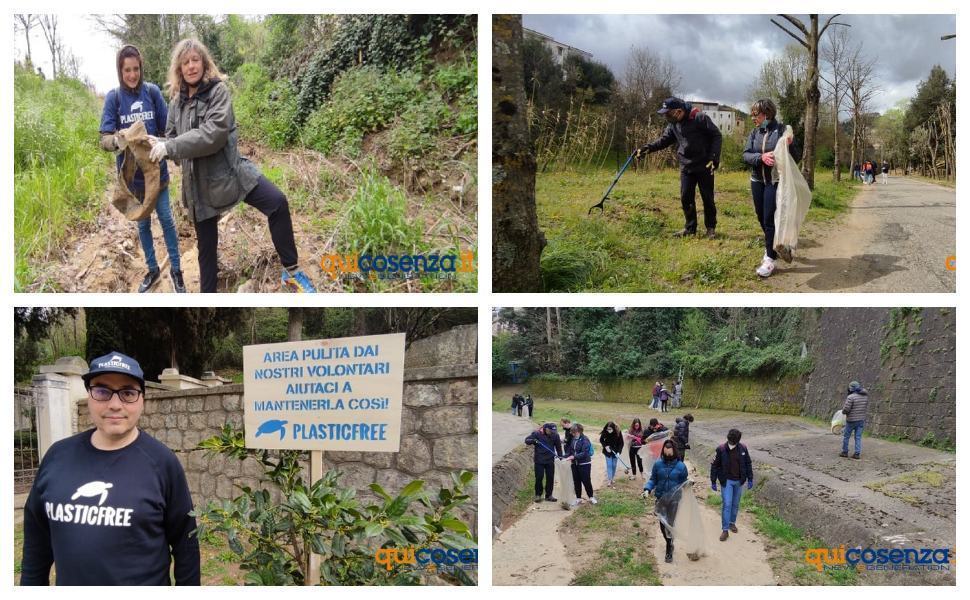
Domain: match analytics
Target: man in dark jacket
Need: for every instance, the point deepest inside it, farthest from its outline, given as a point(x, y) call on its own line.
point(732, 468)
point(682, 434)
point(855, 408)
point(699, 151)
point(547, 447)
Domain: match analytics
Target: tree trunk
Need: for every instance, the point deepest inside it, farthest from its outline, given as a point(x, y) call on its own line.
point(294, 325)
point(811, 108)
point(517, 241)
point(837, 168)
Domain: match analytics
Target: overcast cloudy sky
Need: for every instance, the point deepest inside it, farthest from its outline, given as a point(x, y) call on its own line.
point(719, 56)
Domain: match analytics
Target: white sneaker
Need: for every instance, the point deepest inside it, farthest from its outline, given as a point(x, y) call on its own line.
point(593, 500)
point(576, 502)
point(767, 267)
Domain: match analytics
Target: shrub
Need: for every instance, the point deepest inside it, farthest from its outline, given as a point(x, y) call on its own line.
point(416, 132)
point(364, 100)
point(273, 540)
point(265, 109)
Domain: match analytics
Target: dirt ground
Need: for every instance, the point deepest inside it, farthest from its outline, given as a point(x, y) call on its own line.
point(895, 238)
point(532, 550)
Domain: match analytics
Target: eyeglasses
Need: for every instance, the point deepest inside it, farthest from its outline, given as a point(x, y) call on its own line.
point(102, 393)
point(755, 114)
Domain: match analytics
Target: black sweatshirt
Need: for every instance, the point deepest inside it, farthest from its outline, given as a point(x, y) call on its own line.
point(109, 517)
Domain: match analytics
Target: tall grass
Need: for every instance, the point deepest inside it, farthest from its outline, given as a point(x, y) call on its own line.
point(59, 170)
point(378, 218)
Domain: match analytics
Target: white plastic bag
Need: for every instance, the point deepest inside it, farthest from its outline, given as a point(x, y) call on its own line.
point(679, 512)
point(792, 200)
point(838, 422)
point(564, 477)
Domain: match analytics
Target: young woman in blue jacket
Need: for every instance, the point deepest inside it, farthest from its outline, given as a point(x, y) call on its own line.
point(666, 475)
point(138, 100)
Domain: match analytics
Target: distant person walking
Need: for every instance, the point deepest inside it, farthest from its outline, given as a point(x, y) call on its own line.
point(547, 448)
point(678, 393)
point(885, 172)
point(529, 404)
point(731, 468)
point(664, 398)
point(857, 171)
point(612, 441)
point(855, 407)
point(636, 434)
point(655, 393)
point(580, 453)
point(666, 474)
point(682, 434)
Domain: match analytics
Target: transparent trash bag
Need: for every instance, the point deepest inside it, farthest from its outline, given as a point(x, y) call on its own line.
point(792, 200)
point(564, 479)
point(838, 422)
point(652, 447)
point(679, 511)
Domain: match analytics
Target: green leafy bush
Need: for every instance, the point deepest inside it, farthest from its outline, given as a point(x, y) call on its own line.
point(364, 100)
point(416, 132)
point(265, 109)
point(272, 541)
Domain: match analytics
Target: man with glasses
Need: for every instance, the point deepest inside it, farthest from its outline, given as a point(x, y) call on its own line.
point(110, 506)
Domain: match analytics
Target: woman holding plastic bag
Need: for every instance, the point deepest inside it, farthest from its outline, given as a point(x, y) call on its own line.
point(772, 175)
point(667, 475)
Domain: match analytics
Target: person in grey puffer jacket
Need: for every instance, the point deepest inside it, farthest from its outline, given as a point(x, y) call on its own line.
point(855, 408)
point(759, 152)
point(201, 137)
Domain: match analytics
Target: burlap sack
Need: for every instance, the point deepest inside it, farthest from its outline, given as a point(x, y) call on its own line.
point(134, 142)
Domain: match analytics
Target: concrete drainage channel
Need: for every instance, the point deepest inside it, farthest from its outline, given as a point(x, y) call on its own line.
point(797, 501)
point(508, 477)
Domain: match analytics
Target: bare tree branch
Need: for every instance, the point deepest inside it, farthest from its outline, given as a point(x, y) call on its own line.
point(798, 39)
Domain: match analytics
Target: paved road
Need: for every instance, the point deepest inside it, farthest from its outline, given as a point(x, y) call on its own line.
point(508, 432)
point(895, 238)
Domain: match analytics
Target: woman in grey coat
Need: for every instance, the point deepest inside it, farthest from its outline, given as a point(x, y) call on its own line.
point(201, 137)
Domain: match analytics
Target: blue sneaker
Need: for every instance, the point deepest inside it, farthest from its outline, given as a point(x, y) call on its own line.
point(298, 282)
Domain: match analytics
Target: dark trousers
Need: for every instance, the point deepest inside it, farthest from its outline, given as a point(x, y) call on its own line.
point(530, 410)
point(663, 406)
point(267, 199)
point(668, 535)
point(764, 207)
point(546, 472)
point(582, 478)
point(704, 181)
point(635, 459)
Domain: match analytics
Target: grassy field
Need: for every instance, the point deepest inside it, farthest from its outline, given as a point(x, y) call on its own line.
point(629, 247)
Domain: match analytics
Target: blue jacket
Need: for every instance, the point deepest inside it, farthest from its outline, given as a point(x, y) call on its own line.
point(665, 476)
point(122, 107)
point(720, 465)
point(580, 448)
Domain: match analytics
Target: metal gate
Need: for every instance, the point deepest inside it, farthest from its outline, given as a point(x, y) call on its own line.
point(26, 457)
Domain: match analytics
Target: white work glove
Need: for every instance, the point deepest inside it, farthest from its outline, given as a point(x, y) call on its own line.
point(645, 494)
point(158, 153)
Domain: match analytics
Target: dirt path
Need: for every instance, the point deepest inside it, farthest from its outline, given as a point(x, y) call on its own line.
point(740, 560)
point(531, 551)
point(895, 238)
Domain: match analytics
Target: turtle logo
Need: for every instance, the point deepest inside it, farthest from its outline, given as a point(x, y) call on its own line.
point(272, 426)
point(93, 489)
point(137, 106)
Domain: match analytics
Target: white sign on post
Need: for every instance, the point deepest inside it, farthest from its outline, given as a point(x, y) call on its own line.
point(337, 394)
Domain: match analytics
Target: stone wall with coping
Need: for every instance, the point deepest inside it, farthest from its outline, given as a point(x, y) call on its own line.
point(439, 433)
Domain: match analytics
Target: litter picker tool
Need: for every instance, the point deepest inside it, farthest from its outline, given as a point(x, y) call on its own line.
point(612, 185)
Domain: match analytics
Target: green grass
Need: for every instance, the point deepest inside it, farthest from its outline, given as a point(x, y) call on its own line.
point(629, 249)
point(60, 173)
point(620, 559)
